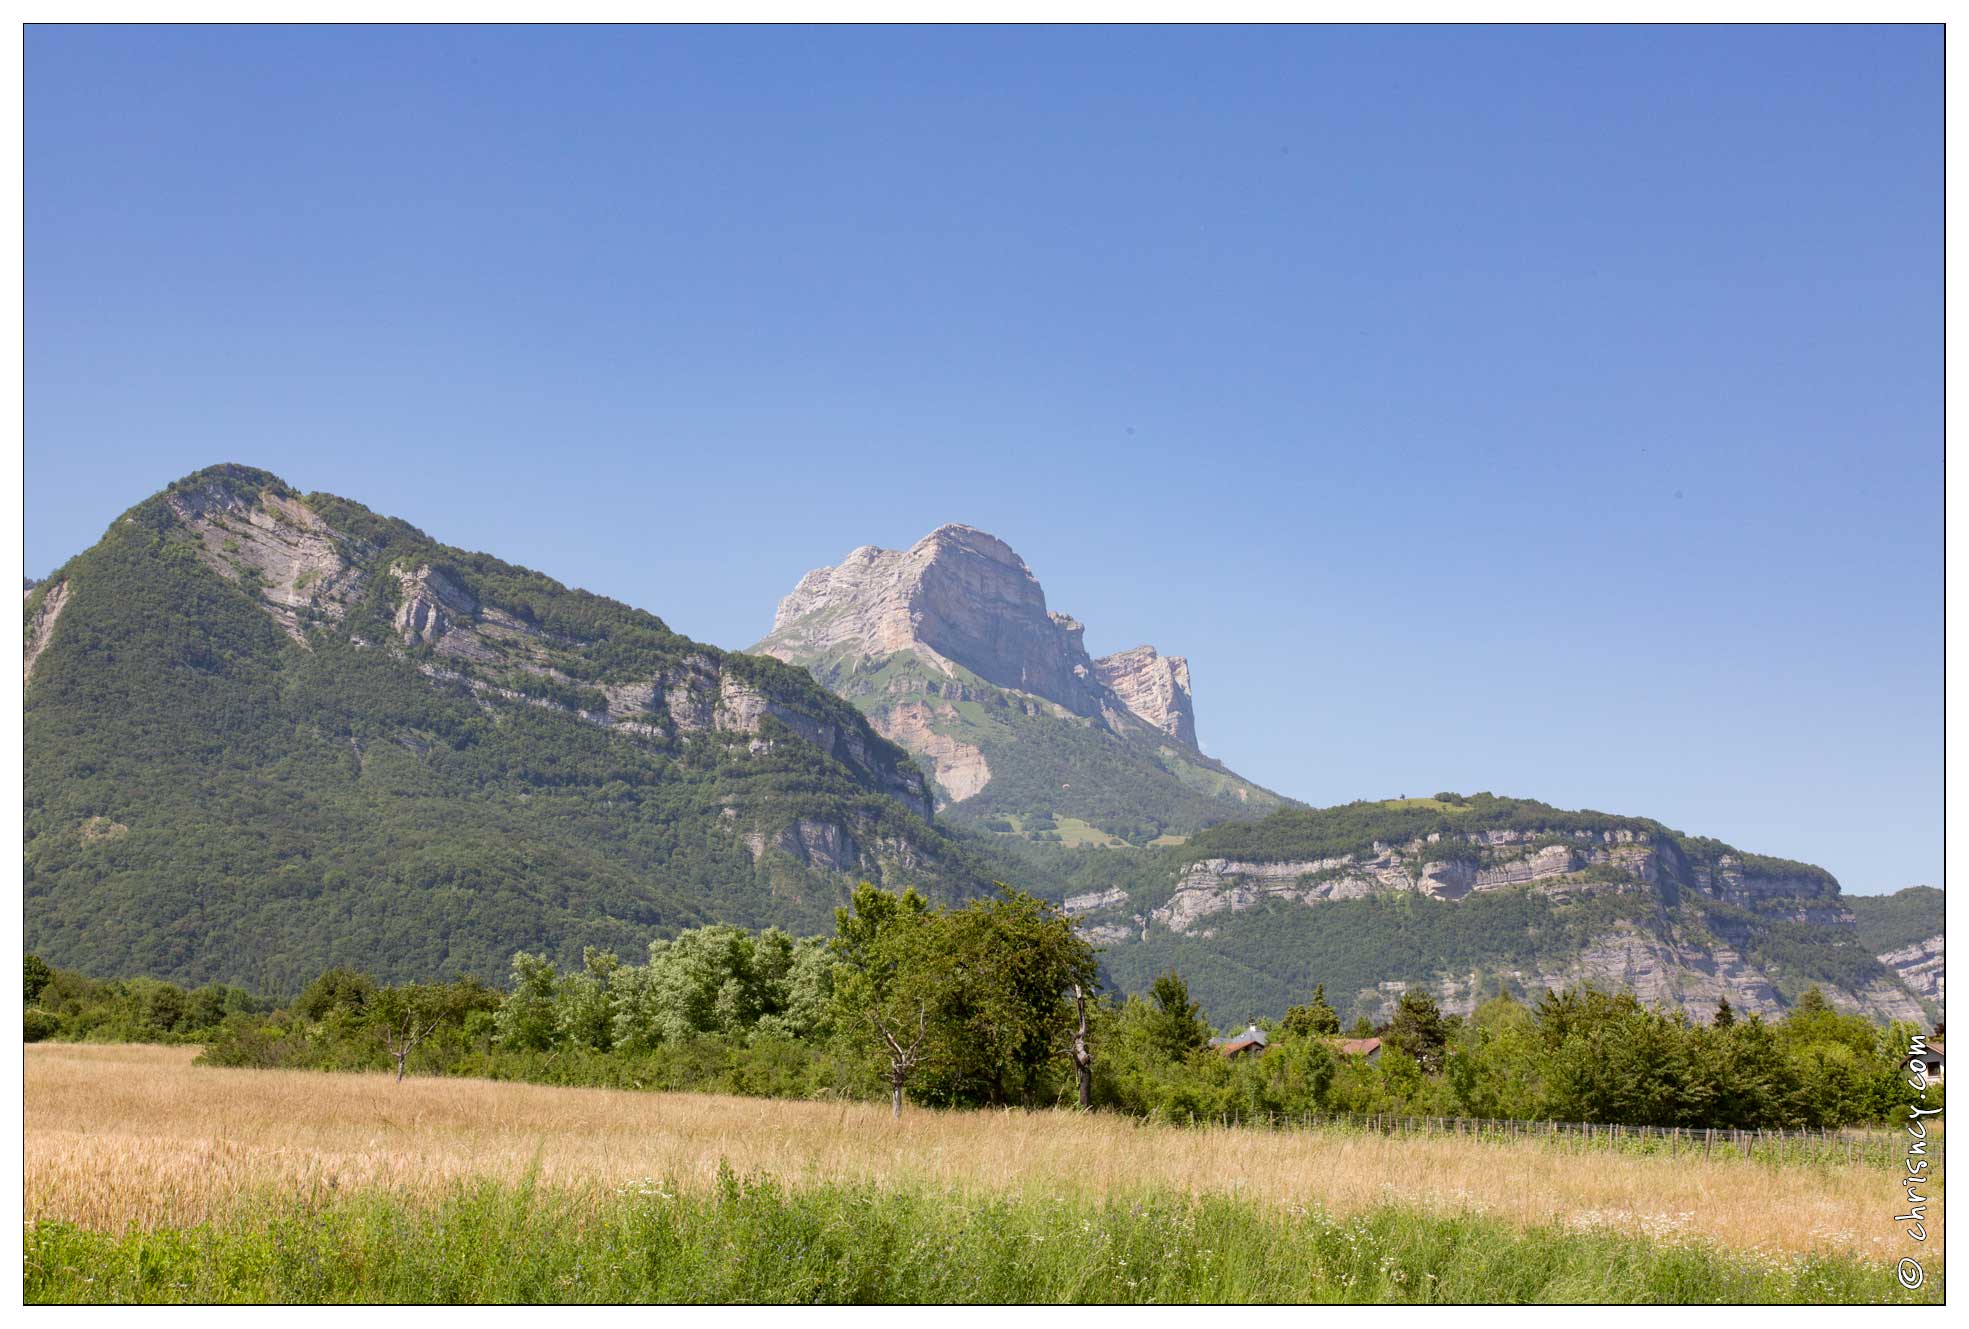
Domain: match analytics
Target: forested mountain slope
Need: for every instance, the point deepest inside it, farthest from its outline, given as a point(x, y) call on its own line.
point(1467, 895)
point(1905, 931)
point(267, 732)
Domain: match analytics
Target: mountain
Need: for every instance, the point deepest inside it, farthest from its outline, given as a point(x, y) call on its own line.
point(1467, 895)
point(1904, 931)
point(950, 650)
point(267, 732)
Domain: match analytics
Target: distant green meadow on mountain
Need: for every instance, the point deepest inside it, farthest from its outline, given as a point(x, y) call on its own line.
point(270, 732)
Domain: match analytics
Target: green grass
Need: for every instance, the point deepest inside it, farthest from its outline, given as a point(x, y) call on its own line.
point(1074, 831)
point(1432, 804)
point(756, 1241)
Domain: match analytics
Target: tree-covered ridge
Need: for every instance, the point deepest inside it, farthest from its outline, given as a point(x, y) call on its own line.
point(1460, 821)
point(1890, 922)
point(1466, 895)
point(209, 799)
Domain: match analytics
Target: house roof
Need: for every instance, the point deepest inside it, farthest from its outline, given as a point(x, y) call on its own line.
point(1358, 1047)
point(1254, 1037)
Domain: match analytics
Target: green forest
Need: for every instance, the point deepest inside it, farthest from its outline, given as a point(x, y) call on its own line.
point(996, 1002)
point(209, 801)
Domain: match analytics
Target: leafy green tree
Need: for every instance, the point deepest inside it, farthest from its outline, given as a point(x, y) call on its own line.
point(1725, 1016)
point(1007, 967)
point(1417, 1030)
point(38, 977)
point(886, 985)
point(1176, 1026)
point(336, 989)
point(1315, 1019)
point(528, 1019)
point(582, 1002)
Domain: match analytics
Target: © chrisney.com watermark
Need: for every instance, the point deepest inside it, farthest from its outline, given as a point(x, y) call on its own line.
point(1909, 1271)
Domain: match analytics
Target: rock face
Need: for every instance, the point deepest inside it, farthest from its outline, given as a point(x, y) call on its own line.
point(960, 767)
point(1919, 966)
point(294, 562)
point(958, 596)
point(1630, 861)
point(41, 627)
point(1632, 907)
point(307, 575)
point(1156, 688)
point(912, 636)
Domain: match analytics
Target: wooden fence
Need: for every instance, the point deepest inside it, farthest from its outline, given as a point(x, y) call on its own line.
point(1880, 1145)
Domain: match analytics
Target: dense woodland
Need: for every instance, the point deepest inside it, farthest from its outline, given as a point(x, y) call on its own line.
point(208, 801)
point(1354, 828)
point(976, 1005)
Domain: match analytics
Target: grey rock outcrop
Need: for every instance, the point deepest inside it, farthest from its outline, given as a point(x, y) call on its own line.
point(1919, 966)
point(41, 628)
point(960, 597)
point(1155, 688)
point(432, 604)
point(279, 546)
point(306, 574)
point(1687, 959)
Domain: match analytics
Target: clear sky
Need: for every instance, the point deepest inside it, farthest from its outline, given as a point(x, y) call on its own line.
point(1553, 412)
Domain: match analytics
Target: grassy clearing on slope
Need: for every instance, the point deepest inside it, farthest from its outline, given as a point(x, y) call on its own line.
point(121, 1137)
point(756, 1240)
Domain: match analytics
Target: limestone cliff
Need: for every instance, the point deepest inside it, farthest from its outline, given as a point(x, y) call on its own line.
point(1561, 899)
point(957, 596)
point(1155, 688)
point(310, 562)
point(1919, 966)
point(950, 649)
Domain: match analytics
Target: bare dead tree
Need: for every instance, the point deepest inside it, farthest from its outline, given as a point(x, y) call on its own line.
point(1083, 1058)
point(902, 1060)
point(402, 1045)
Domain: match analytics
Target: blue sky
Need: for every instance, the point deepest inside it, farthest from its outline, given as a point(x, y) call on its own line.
point(1550, 411)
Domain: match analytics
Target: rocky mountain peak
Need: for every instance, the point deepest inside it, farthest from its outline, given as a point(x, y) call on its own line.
point(961, 597)
point(1154, 687)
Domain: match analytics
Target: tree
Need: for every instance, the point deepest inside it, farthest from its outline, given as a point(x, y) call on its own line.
point(1725, 1016)
point(1315, 1019)
point(1082, 1056)
point(582, 1009)
point(404, 1031)
point(884, 984)
point(1176, 1026)
point(1004, 968)
point(38, 977)
point(1417, 1029)
point(528, 1019)
point(902, 1059)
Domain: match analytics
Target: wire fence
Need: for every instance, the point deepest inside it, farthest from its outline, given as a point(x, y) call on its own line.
point(1795, 1144)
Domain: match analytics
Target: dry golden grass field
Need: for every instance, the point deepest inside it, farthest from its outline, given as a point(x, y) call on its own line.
point(120, 1136)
